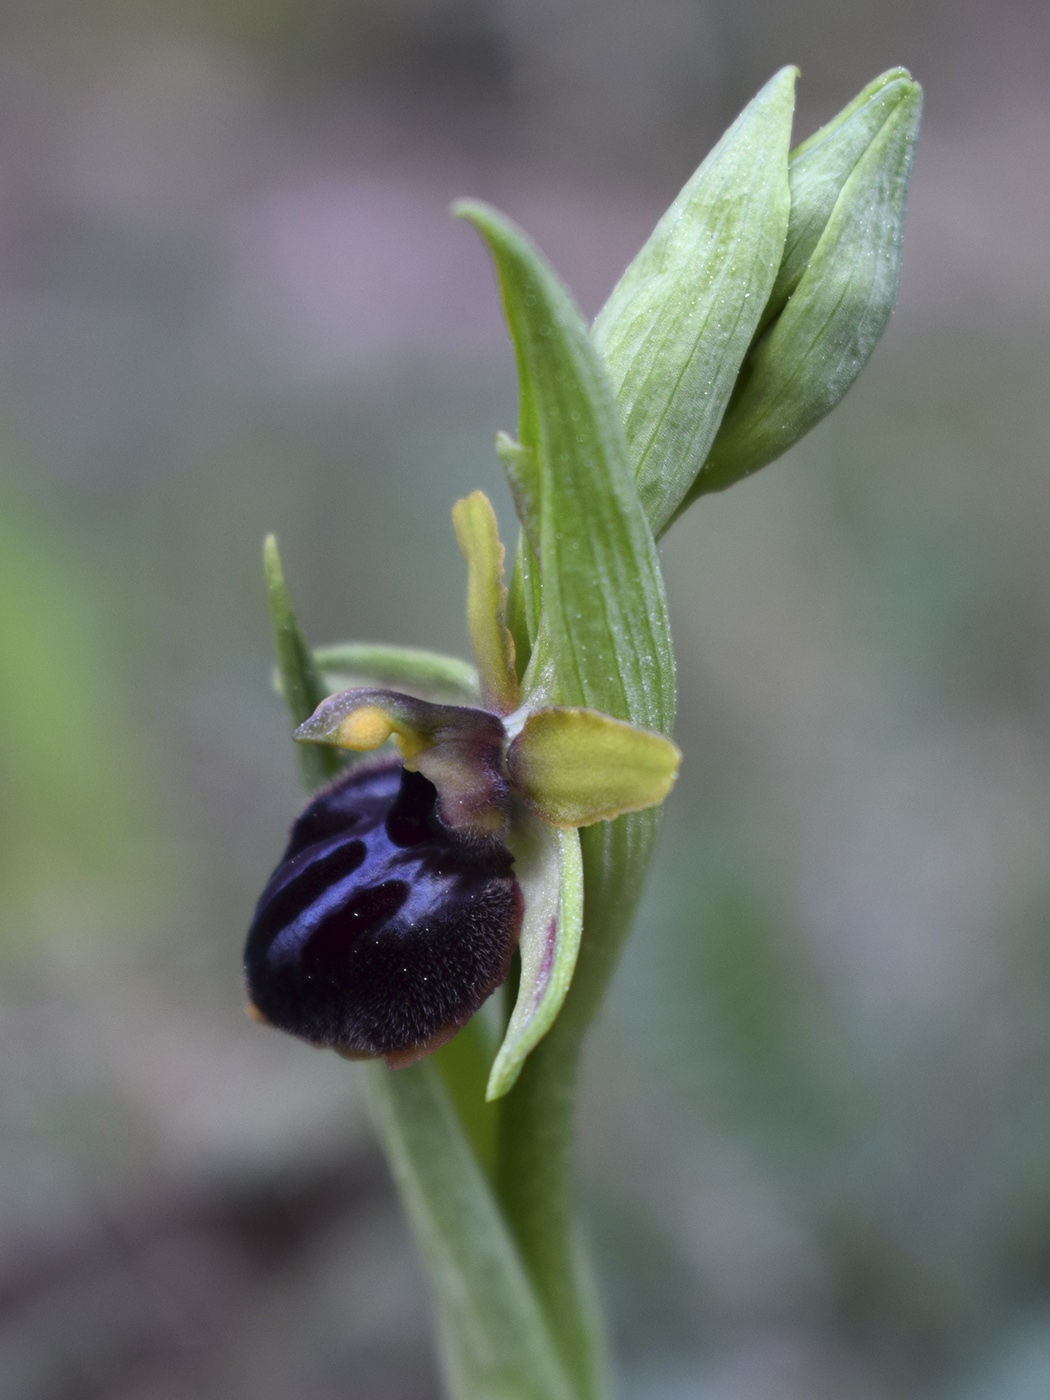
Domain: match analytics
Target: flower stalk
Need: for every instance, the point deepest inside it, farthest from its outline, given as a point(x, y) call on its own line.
point(744, 319)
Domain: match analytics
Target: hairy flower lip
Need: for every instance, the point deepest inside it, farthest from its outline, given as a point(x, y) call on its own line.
point(381, 931)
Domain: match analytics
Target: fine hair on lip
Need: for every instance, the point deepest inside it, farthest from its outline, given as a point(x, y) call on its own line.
point(381, 932)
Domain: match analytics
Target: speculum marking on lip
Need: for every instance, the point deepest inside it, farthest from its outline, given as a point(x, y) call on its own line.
point(380, 932)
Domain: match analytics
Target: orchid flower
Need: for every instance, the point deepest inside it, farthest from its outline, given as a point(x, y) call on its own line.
point(409, 881)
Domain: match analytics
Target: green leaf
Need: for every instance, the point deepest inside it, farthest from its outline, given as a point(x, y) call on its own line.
point(494, 1340)
point(464, 1063)
point(603, 642)
point(549, 869)
point(812, 352)
point(301, 683)
point(604, 609)
point(677, 326)
point(426, 674)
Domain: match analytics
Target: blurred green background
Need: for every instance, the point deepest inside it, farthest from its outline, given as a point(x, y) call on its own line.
point(817, 1112)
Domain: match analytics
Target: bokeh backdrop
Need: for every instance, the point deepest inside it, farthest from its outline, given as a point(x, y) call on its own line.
point(816, 1146)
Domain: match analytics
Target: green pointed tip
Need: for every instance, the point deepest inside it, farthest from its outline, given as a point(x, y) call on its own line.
point(301, 684)
point(474, 211)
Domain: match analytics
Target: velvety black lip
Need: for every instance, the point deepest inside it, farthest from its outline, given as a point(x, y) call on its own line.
point(380, 929)
point(303, 879)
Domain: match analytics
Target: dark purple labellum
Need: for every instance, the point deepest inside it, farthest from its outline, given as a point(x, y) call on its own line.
point(380, 932)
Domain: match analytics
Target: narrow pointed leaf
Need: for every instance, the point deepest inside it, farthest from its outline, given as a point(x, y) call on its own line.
point(604, 609)
point(677, 326)
point(575, 767)
point(549, 868)
point(427, 674)
point(810, 355)
point(494, 1340)
point(301, 683)
point(478, 536)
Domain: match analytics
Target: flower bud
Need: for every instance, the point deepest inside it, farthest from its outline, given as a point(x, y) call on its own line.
point(679, 322)
point(837, 282)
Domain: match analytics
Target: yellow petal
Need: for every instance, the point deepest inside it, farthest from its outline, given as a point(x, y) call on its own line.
point(478, 536)
point(575, 767)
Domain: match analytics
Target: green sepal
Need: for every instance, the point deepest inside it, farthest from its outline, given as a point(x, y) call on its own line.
point(604, 623)
point(428, 674)
point(812, 352)
point(678, 325)
point(575, 766)
point(549, 868)
point(493, 1336)
point(301, 683)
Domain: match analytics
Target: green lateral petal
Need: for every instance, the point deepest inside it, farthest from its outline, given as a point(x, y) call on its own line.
point(478, 536)
point(604, 610)
point(811, 354)
point(301, 683)
point(427, 674)
point(575, 767)
point(494, 1339)
point(678, 325)
point(549, 868)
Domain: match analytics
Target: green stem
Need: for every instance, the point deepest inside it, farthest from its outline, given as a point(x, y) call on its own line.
point(536, 1167)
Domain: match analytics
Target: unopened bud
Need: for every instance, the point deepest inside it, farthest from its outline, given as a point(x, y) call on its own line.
point(837, 282)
